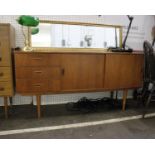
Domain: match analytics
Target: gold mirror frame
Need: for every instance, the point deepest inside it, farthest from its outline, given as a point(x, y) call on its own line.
point(75, 23)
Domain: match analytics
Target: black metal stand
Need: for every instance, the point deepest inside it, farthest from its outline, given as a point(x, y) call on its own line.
point(123, 49)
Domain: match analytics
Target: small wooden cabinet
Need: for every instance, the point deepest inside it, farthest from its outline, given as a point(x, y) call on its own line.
point(7, 43)
point(40, 73)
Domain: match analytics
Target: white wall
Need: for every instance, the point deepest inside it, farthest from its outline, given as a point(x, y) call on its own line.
point(141, 27)
point(141, 30)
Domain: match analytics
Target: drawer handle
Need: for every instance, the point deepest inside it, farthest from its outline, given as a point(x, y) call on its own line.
point(1, 74)
point(1, 89)
point(37, 85)
point(36, 58)
point(38, 72)
point(0, 59)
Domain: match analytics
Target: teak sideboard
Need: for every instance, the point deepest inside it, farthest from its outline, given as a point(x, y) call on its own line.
point(7, 44)
point(39, 73)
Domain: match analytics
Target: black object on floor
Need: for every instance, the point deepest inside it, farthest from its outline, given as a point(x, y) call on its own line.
point(86, 105)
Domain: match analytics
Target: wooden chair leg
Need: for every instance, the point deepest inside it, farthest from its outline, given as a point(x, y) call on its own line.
point(6, 107)
point(125, 93)
point(38, 99)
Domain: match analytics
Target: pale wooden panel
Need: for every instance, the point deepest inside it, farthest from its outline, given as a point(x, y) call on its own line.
point(6, 88)
point(5, 74)
point(5, 53)
point(6, 81)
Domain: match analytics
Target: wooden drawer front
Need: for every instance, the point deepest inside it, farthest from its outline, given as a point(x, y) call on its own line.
point(5, 59)
point(4, 31)
point(31, 72)
point(30, 59)
point(38, 72)
point(5, 74)
point(37, 86)
point(31, 85)
point(6, 89)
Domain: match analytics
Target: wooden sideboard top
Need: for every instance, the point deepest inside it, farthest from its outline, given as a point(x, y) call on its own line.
point(78, 50)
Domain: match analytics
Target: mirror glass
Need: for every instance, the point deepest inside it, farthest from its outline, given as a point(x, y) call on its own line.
point(76, 36)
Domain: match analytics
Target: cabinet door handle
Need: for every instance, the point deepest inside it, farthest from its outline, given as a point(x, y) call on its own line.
point(1, 89)
point(1, 74)
point(62, 71)
point(38, 72)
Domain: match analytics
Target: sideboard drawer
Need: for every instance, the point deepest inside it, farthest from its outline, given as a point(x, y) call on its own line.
point(6, 88)
point(38, 86)
point(4, 31)
point(31, 59)
point(5, 73)
point(38, 72)
point(31, 85)
point(31, 72)
point(5, 58)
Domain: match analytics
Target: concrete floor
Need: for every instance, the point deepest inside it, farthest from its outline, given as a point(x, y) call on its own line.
point(134, 129)
point(21, 117)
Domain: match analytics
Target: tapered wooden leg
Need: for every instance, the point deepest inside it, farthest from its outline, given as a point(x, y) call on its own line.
point(11, 102)
point(116, 98)
point(6, 107)
point(32, 101)
point(38, 98)
point(125, 93)
point(112, 95)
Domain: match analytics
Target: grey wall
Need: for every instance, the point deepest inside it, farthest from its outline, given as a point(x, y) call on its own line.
point(141, 30)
